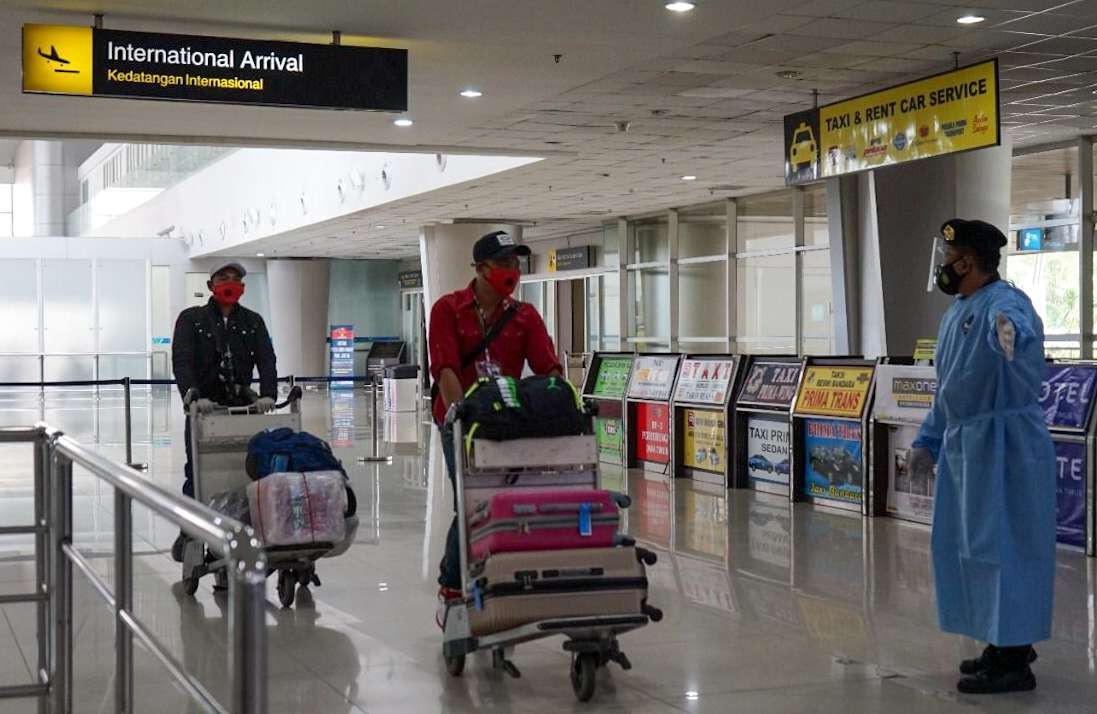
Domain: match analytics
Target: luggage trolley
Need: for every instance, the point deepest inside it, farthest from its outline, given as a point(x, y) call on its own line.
point(219, 445)
point(560, 462)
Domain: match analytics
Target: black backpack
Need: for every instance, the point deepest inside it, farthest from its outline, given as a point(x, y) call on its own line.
point(503, 408)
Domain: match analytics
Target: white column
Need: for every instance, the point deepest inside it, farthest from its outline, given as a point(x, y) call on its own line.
point(446, 254)
point(299, 315)
point(48, 187)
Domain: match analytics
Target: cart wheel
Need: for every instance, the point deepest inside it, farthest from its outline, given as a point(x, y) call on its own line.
point(287, 587)
point(190, 585)
point(455, 665)
point(583, 668)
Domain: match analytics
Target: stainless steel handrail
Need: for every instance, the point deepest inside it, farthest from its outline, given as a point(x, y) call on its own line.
point(56, 556)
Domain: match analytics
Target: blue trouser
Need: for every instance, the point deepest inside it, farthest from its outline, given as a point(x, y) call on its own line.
point(450, 568)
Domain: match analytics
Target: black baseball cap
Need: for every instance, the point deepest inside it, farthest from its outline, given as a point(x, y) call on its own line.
point(499, 244)
point(980, 236)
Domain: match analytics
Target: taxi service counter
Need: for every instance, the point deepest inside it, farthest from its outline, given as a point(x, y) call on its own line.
point(830, 431)
point(702, 419)
point(1067, 401)
point(763, 432)
point(647, 411)
point(606, 383)
point(904, 397)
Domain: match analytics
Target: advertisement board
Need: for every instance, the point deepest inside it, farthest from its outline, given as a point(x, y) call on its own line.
point(609, 433)
point(904, 393)
point(834, 391)
point(704, 381)
point(652, 378)
point(768, 442)
point(1067, 395)
point(1070, 493)
point(342, 355)
point(612, 378)
point(910, 491)
point(833, 460)
point(100, 62)
point(652, 429)
point(770, 384)
point(942, 114)
point(704, 440)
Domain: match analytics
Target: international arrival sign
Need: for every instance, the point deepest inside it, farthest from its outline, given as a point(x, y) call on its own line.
point(834, 391)
point(60, 59)
point(943, 114)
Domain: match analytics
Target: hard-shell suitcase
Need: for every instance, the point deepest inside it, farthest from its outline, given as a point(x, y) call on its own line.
point(545, 520)
point(513, 589)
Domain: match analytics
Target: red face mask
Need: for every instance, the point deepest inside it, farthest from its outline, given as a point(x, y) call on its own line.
point(228, 293)
point(504, 280)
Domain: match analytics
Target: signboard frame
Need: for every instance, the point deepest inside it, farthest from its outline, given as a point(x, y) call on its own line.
point(632, 423)
point(799, 460)
point(743, 407)
point(679, 410)
point(609, 407)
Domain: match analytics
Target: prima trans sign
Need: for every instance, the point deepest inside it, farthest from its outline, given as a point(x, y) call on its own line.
point(144, 65)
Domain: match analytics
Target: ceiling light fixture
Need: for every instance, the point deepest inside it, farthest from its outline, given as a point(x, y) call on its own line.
point(680, 6)
point(471, 93)
point(970, 19)
point(379, 227)
point(259, 255)
point(403, 122)
point(689, 177)
point(790, 74)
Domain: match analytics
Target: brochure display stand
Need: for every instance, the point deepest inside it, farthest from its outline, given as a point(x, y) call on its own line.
point(904, 396)
point(702, 419)
point(830, 429)
point(647, 411)
point(606, 383)
point(1067, 401)
point(763, 431)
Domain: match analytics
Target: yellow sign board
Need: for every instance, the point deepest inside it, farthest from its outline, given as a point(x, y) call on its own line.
point(925, 350)
point(943, 114)
point(704, 445)
point(834, 391)
point(57, 59)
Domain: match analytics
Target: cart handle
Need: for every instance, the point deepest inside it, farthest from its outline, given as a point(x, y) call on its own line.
point(294, 396)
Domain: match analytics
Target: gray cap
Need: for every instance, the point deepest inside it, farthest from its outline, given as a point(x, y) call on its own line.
point(234, 265)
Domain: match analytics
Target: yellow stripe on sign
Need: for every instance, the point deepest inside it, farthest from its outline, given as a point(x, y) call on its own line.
point(57, 59)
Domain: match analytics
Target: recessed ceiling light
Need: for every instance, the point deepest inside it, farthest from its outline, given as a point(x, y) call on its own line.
point(403, 121)
point(693, 696)
point(790, 74)
point(689, 177)
point(680, 6)
point(471, 93)
point(258, 255)
point(970, 19)
point(379, 227)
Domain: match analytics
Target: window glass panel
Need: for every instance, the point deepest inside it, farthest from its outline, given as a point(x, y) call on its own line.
point(816, 231)
point(702, 230)
point(649, 300)
point(593, 286)
point(702, 300)
point(765, 222)
point(611, 311)
point(611, 245)
point(765, 305)
point(702, 348)
point(19, 296)
point(817, 316)
point(67, 297)
point(123, 303)
point(650, 241)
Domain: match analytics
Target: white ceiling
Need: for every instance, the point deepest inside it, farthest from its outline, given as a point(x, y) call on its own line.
point(700, 92)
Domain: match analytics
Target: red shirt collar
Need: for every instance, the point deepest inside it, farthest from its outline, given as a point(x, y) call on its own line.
point(466, 298)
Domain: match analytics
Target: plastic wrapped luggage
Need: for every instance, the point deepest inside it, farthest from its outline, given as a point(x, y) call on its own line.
point(513, 589)
point(233, 504)
point(545, 520)
point(299, 509)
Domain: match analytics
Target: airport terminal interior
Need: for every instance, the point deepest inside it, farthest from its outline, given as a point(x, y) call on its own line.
point(728, 215)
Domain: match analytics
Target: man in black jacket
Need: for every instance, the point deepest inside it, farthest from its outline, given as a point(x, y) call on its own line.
point(215, 350)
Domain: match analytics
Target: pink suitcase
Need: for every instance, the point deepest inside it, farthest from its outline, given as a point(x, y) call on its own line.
point(546, 520)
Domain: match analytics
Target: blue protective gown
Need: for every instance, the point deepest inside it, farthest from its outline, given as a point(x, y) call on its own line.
point(994, 510)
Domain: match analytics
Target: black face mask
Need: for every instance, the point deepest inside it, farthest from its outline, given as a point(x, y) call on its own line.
point(947, 279)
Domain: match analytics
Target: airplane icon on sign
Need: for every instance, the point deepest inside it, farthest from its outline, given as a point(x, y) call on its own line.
point(53, 56)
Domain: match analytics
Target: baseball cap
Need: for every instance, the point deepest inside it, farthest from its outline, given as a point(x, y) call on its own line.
point(499, 244)
point(222, 266)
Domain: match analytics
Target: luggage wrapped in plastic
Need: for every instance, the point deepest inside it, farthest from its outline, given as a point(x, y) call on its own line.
point(299, 509)
point(233, 504)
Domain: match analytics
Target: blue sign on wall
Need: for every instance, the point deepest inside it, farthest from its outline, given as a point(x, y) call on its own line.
point(1070, 493)
point(1067, 395)
point(342, 355)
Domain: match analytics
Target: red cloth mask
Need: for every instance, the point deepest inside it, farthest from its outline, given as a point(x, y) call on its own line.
point(504, 280)
point(228, 293)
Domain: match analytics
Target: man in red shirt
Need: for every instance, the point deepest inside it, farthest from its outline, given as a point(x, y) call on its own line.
point(459, 324)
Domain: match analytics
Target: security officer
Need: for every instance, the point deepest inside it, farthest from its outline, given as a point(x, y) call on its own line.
point(994, 512)
point(215, 350)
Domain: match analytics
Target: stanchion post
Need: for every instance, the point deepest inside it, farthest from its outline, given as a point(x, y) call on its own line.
point(129, 421)
point(42, 561)
point(61, 592)
point(123, 600)
point(375, 416)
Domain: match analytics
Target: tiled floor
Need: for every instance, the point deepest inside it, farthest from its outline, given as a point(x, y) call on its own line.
point(768, 608)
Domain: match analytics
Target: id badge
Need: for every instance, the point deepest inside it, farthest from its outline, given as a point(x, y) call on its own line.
point(487, 368)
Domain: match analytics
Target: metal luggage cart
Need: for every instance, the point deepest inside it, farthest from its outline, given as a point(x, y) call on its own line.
point(560, 462)
point(219, 445)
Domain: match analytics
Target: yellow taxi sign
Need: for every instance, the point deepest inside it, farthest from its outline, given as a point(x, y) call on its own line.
point(57, 59)
point(839, 391)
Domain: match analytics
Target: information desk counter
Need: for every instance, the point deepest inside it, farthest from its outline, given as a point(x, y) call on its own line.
point(702, 418)
point(829, 432)
point(763, 430)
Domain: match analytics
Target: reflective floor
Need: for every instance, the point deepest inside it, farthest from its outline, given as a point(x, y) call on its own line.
point(768, 608)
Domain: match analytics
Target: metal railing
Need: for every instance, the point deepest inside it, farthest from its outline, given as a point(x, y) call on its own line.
point(56, 557)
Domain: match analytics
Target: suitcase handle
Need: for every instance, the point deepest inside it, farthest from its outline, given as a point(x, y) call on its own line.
point(526, 509)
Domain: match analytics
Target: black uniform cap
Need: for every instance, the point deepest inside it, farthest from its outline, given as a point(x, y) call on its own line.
point(979, 236)
point(499, 244)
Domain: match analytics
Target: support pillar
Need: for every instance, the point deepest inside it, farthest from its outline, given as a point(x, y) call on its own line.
point(446, 253)
point(299, 315)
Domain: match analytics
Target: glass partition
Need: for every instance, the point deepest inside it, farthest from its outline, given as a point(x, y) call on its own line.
point(67, 307)
point(19, 296)
point(122, 289)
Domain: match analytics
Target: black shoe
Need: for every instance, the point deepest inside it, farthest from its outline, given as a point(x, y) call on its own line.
point(974, 666)
point(995, 680)
point(179, 547)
